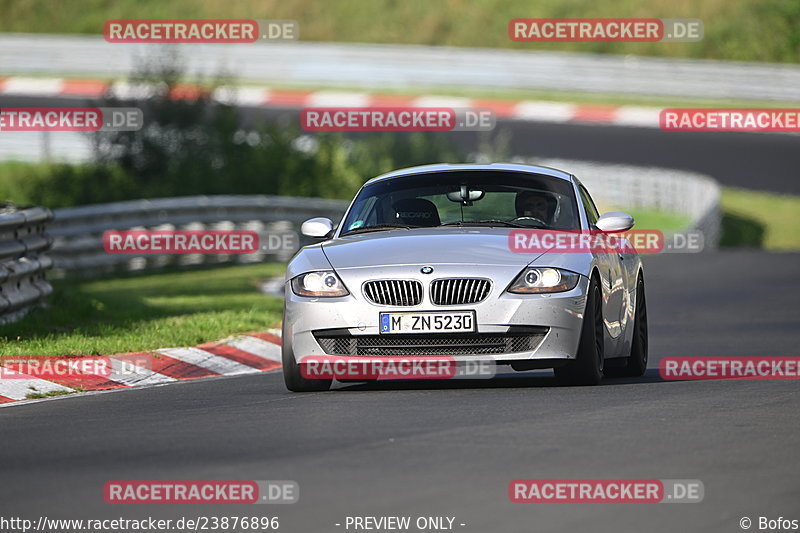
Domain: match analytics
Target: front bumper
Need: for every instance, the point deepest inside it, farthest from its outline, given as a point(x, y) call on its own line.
point(310, 322)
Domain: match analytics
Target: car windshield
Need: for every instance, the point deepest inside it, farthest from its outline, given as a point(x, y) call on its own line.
point(464, 198)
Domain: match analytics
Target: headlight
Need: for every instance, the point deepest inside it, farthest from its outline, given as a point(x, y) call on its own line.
point(539, 280)
point(324, 283)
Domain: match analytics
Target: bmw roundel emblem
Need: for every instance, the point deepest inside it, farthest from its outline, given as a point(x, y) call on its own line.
point(426, 269)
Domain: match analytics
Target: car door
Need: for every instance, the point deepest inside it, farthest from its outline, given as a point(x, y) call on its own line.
point(612, 278)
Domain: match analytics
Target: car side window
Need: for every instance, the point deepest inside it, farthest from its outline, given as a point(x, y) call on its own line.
point(588, 205)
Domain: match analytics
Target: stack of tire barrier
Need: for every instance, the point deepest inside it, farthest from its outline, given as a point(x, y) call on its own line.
point(23, 243)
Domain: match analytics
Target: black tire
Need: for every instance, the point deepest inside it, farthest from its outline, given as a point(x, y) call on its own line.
point(637, 361)
point(292, 377)
point(587, 368)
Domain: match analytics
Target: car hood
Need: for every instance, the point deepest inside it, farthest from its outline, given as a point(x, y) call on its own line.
point(477, 246)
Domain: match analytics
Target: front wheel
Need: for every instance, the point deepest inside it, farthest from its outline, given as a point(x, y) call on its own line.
point(587, 368)
point(637, 361)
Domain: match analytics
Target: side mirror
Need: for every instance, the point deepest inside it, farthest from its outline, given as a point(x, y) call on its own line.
point(614, 222)
point(316, 227)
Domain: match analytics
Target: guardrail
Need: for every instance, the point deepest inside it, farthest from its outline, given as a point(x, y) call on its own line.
point(78, 231)
point(691, 194)
point(23, 241)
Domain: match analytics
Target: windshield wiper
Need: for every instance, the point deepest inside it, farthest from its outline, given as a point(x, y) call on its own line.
point(378, 227)
point(489, 223)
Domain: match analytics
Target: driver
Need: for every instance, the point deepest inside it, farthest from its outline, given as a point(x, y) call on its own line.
point(535, 204)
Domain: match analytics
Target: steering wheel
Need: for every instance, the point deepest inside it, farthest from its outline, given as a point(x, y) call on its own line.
point(530, 220)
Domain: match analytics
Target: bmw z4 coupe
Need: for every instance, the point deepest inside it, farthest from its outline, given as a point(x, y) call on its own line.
point(424, 263)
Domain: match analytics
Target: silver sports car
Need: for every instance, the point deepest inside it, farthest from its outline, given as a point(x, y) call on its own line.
point(422, 264)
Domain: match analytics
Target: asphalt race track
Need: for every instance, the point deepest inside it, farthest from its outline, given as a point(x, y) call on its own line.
point(451, 449)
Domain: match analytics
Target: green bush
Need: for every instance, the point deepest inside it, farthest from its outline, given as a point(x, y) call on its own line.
point(198, 146)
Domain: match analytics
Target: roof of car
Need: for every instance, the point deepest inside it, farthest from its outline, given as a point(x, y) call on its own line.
point(447, 167)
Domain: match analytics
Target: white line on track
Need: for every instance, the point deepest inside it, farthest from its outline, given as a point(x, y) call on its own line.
point(255, 346)
point(17, 386)
point(209, 361)
point(122, 371)
point(33, 86)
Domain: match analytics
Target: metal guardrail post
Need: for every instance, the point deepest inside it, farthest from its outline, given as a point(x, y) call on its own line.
point(78, 231)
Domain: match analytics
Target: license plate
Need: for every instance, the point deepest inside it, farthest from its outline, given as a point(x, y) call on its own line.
point(428, 322)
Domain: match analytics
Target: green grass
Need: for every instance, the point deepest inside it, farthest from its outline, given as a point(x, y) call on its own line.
point(18, 180)
point(578, 97)
point(146, 312)
point(751, 30)
point(760, 219)
point(754, 219)
point(38, 395)
point(658, 220)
